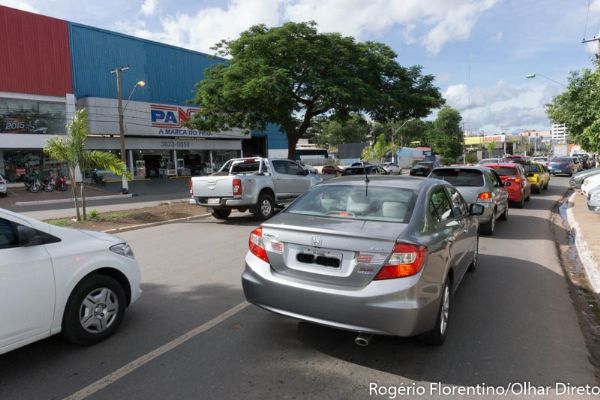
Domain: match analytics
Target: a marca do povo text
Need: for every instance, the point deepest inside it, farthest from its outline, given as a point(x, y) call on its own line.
point(511, 389)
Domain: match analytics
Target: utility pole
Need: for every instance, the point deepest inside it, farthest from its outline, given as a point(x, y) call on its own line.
point(594, 39)
point(118, 71)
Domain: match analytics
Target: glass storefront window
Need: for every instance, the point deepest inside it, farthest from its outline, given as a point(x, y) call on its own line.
point(220, 157)
point(17, 164)
point(32, 116)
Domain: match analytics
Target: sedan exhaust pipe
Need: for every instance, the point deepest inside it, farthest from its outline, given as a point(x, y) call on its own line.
point(363, 340)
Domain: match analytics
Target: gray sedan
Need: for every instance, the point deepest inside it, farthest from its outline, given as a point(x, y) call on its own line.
point(377, 255)
point(481, 185)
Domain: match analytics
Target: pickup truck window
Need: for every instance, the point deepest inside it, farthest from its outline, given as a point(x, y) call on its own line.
point(245, 167)
point(280, 166)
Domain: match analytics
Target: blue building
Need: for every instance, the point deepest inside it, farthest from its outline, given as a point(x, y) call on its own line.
point(157, 141)
point(158, 82)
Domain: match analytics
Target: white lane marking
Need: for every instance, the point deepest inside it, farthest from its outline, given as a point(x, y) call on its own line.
point(146, 358)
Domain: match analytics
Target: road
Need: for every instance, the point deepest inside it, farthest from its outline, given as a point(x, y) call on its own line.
point(512, 320)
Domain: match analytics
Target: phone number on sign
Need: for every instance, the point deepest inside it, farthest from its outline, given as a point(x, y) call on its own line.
point(175, 144)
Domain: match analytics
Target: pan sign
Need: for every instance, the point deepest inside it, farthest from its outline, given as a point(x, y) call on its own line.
point(171, 120)
point(170, 116)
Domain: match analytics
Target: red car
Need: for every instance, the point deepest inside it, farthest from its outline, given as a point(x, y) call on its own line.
point(331, 170)
point(515, 182)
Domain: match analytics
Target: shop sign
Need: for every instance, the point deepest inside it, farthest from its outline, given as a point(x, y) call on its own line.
point(31, 116)
point(171, 120)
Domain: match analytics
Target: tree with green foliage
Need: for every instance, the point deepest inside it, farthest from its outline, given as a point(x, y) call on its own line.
point(378, 151)
point(355, 129)
point(445, 135)
point(70, 150)
point(491, 146)
point(292, 74)
point(579, 108)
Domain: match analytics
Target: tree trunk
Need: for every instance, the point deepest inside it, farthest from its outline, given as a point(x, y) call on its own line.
point(292, 142)
point(83, 205)
point(74, 189)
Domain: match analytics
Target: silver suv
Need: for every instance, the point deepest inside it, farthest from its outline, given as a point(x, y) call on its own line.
point(481, 185)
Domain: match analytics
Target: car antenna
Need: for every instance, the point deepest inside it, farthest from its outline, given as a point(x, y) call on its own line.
point(367, 180)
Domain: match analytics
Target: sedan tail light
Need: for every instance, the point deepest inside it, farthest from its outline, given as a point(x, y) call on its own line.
point(257, 246)
point(484, 196)
point(237, 187)
point(190, 187)
point(405, 260)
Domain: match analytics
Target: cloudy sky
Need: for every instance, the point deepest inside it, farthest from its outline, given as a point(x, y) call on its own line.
point(479, 50)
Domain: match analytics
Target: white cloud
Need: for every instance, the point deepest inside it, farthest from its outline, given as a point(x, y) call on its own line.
point(149, 7)
point(502, 106)
point(456, 24)
point(19, 4)
point(200, 31)
point(434, 25)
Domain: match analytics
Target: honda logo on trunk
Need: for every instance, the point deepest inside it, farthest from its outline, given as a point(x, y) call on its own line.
point(317, 240)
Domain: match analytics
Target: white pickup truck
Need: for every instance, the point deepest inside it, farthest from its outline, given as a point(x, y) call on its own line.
point(255, 184)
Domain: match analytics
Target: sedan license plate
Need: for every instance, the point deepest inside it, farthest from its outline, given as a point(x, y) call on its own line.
point(214, 201)
point(325, 258)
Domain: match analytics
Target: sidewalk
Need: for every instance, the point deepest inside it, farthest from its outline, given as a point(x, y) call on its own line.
point(70, 212)
point(584, 225)
point(16, 195)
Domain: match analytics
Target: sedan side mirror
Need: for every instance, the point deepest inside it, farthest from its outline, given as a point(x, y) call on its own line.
point(476, 209)
point(28, 236)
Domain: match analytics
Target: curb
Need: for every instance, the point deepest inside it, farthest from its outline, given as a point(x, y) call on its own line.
point(589, 264)
point(70, 200)
point(153, 224)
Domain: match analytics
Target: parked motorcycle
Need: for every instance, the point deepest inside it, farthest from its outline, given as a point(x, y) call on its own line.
point(48, 184)
point(32, 184)
point(61, 183)
point(98, 179)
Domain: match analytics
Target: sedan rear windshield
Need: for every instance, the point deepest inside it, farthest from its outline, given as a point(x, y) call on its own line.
point(562, 160)
point(357, 202)
point(506, 171)
point(531, 168)
point(459, 176)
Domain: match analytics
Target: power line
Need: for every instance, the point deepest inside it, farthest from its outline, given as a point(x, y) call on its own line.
point(587, 16)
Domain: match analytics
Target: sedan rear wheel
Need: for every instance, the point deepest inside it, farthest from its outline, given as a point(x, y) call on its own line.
point(94, 310)
point(437, 335)
point(473, 265)
point(488, 227)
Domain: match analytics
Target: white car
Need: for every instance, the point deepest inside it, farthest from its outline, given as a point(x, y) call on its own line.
point(391, 168)
point(56, 279)
point(590, 183)
point(3, 187)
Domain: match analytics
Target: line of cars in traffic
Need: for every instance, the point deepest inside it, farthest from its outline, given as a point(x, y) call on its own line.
point(588, 181)
point(383, 254)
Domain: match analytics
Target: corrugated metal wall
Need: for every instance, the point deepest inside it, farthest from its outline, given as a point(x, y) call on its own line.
point(275, 138)
point(170, 73)
point(35, 54)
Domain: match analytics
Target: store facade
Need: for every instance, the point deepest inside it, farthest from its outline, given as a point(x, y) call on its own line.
point(37, 100)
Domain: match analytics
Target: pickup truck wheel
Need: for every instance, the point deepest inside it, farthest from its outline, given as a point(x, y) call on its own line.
point(221, 213)
point(265, 207)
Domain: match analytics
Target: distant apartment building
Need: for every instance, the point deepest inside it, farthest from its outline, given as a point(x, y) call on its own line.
point(559, 133)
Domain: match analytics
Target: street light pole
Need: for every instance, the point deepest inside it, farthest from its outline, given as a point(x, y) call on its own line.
point(532, 76)
point(117, 71)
